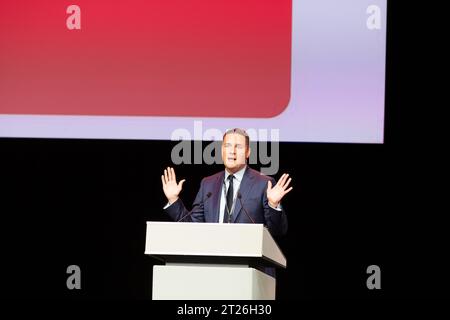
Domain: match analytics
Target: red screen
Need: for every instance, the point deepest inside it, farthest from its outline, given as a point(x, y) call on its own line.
point(211, 58)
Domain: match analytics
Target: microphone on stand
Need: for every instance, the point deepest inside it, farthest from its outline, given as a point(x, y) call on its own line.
point(208, 195)
point(240, 200)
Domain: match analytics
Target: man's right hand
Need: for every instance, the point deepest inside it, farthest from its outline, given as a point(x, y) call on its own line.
point(170, 186)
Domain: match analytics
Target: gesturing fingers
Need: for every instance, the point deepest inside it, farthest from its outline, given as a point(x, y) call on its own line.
point(287, 191)
point(284, 182)
point(287, 183)
point(173, 175)
point(163, 179)
point(169, 173)
point(281, 180)
point(166, 175)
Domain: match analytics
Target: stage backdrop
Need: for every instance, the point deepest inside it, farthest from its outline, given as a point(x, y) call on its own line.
point(140, 69)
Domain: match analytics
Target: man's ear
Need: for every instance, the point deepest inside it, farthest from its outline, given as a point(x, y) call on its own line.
point(247, 153)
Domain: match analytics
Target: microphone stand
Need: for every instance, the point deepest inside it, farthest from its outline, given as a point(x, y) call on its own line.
point(242, 205)
point(208, 195)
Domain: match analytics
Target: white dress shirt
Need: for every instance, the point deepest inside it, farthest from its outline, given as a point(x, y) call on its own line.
point(236, 185)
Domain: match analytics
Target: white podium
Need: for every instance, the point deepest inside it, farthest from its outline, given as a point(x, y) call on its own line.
point(212, 261)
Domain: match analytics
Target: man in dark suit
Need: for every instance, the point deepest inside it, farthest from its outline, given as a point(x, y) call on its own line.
point(238, 194)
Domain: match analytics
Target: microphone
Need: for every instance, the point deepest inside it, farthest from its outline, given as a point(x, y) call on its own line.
point(208, 195)
point(240, 200)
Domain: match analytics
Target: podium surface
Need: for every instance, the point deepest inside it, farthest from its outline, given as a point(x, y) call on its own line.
point(212, 260)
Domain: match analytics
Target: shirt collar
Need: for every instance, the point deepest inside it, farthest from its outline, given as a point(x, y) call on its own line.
point(238, 175)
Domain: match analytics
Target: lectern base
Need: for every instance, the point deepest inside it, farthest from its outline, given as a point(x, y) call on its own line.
point(177, 282)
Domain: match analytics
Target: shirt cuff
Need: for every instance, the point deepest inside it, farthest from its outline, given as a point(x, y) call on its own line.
point(277, 208)
point(167, 205)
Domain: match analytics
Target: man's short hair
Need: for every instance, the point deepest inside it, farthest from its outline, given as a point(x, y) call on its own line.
point(241, 132)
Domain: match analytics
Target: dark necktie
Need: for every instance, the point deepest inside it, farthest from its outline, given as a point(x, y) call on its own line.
point(229, 204)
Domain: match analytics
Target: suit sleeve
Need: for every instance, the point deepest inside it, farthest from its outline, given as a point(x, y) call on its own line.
point(276, 221)
point(178, 211)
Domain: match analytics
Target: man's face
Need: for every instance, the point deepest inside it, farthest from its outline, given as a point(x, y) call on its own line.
point(234, 152)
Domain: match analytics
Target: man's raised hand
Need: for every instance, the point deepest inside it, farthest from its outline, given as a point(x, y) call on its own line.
point(170, 186)
point(277, 192)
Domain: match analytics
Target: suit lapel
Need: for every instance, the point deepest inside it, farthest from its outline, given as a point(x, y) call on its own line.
point(245, 188)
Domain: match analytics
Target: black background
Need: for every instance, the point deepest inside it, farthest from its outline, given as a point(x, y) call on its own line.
point(85, 202)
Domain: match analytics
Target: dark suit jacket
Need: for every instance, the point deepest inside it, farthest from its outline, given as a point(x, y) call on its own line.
point(254, 199)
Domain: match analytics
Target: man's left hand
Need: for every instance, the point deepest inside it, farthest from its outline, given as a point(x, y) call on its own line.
point(276, 193)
